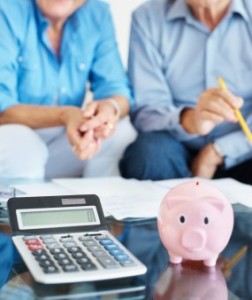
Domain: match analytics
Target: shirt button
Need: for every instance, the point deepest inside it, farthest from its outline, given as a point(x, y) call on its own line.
point(82, 66)
point(20, 59)
point(63, 90)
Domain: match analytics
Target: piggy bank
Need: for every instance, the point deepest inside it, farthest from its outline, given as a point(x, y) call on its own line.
point(195, 222)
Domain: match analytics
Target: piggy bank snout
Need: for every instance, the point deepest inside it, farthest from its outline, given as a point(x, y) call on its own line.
point(194, 239)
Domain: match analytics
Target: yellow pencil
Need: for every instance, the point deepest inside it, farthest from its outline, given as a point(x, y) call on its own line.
point(237, 113)
point(234, 259)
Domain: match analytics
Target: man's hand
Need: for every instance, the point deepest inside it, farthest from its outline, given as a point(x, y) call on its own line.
point(214, 107)
point(206, 162)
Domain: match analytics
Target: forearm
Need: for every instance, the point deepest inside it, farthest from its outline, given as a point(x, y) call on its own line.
point(35, 116)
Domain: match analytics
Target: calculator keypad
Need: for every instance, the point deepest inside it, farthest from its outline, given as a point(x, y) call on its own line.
point(77, 252)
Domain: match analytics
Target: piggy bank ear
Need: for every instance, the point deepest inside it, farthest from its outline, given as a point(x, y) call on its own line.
point(217, 203)
point(174, 201)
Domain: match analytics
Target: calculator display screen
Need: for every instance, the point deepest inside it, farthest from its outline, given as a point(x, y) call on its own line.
point(57, 217)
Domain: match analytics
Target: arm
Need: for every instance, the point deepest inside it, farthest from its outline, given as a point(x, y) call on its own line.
point(155, 109)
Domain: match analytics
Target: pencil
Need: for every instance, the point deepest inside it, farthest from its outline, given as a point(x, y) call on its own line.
point(237, 113)
point(233, 260)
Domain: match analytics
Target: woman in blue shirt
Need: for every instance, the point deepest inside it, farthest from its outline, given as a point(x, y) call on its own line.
point(50, 50)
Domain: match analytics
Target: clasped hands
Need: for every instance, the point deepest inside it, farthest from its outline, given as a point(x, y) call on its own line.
point(87, 128)
point(214, 107)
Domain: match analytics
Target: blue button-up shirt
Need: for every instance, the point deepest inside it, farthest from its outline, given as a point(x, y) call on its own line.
point(173, 58)
point(31, 73)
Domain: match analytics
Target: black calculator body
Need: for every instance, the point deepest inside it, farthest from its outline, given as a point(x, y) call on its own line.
point(64, 239)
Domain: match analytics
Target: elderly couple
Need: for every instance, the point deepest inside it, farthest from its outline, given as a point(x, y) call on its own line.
point(53, 51)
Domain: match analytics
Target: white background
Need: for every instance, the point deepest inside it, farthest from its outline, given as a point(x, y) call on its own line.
point(121, 11)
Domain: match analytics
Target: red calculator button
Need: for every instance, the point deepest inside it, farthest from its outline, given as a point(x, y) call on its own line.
point(35, 247)
point(32, 242)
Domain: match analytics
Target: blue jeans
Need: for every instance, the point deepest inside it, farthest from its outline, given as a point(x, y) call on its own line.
point(156, 156)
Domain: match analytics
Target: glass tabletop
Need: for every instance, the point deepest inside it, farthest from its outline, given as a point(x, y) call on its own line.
point(186, 281)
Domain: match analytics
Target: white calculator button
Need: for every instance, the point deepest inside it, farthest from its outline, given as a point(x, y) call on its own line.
point(69, 244)
point(78, 255)
point(108, 262)
point(94, 248)
point(89, 243)
point(46, 236)
point(88, 266)
point(99, 253)
point(53, 246)
point(60, 255)
point(70, 268)
point(50, 269)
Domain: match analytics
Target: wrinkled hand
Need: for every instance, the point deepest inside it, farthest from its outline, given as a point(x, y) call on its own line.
point(206, 162)
point(101, 119)
point(84, 144)
point(214, 107)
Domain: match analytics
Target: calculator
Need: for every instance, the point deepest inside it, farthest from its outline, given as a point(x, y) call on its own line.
point(64, 239)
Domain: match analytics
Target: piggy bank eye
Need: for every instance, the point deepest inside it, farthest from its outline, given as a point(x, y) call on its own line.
point(182, 219)
point(206, 220)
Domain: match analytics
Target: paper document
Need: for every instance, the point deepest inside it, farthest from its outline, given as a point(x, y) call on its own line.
point(121, 198)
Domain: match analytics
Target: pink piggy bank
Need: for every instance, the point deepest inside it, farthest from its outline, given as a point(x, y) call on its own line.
point(195, 222)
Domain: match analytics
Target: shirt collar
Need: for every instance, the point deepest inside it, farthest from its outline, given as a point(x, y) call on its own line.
point(179, 9)
point(238, 7)
point(43, 23)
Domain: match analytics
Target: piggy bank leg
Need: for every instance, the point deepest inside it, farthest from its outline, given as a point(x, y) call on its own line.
point(211, 262)
point(175, 259)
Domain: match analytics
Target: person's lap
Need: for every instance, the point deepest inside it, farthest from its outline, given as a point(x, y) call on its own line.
point(27, 153)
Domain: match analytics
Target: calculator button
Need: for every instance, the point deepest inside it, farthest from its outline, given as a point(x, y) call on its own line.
point(65, 239)
point(88, 266)
point(70, 268)
point(83, 260)
point(94, 248)
point(57, 250)
point(116, 252)
point(104, 242)
point(74, 249)
point(36, 247)
point(50, 269)
point(121, 257)
point(39, 252)
point(42, 257)
point(60, 256)
point(111, 247)
point(53, 246)
point(32, 242)
point(65, 261)
point(49, 241)
point(127, 263)
point(108, 262)
point(46, 263)
point(99, 253)
point(85, 238)
point(69, 244)
point(77, 255)
point(89, 243)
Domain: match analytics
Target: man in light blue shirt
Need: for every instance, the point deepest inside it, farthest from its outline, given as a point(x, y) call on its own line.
point(186, 123)
point(49, 51)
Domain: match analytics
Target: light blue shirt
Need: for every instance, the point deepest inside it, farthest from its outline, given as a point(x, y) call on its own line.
point(31, 73)
point(173, 58)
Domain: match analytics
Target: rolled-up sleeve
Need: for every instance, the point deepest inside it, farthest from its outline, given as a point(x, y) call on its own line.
point(238, 152)
point(107, 75)
point(8, 64)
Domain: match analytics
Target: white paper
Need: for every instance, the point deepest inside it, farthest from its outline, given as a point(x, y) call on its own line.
point(121, 198)
point(41, 189)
